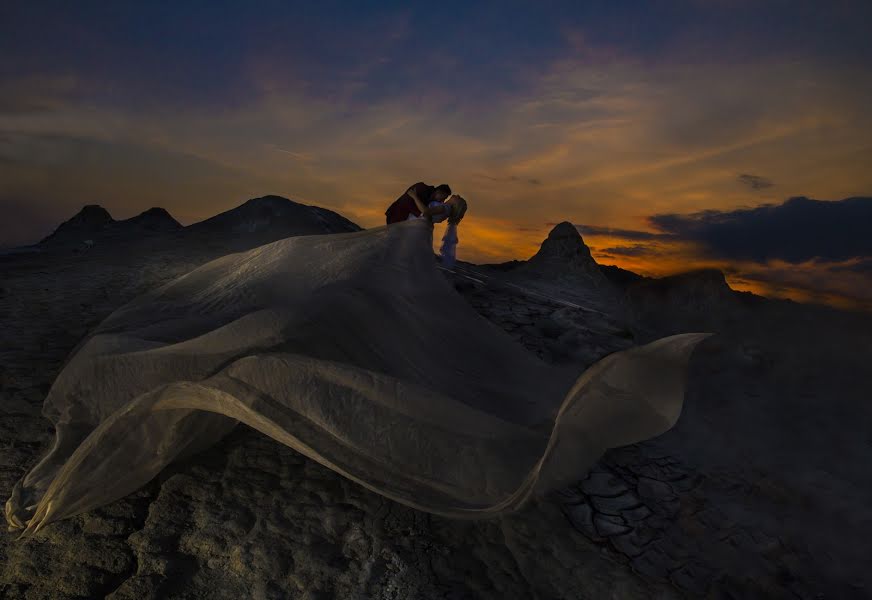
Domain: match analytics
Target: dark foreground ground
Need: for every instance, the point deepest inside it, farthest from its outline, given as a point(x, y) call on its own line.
point(761, 490)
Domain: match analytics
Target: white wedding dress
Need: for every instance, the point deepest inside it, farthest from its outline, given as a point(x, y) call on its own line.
point(330, 344)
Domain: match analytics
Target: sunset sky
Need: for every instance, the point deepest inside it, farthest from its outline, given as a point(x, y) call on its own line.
point(672, 133)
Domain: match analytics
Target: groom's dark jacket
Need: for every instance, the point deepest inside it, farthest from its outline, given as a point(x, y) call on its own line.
point(405, 206)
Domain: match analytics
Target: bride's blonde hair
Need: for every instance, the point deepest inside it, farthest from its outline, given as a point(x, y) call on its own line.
point(458, 208)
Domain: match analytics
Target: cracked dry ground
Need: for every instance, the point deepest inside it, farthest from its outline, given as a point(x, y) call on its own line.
point(252, 518)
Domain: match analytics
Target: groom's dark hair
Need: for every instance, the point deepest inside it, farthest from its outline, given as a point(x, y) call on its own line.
point(443, 188)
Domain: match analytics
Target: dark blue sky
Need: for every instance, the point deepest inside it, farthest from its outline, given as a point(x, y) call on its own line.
point(167, 53)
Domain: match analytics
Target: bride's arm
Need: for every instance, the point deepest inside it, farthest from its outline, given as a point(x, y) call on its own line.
point(439, 209)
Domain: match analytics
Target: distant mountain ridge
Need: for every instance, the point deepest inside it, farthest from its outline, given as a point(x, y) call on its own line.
point(94, 222)
point(265, 217)
point(563, 256)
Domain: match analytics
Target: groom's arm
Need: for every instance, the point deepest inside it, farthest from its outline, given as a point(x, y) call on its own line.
point(413, 193)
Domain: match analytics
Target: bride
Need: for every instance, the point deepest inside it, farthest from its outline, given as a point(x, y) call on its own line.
point(325, 343)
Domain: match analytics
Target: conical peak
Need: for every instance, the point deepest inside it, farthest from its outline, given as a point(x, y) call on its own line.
point(564, 229)
point(564, 242)
point(91, 214)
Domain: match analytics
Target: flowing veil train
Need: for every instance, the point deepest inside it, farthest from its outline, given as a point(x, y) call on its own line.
point(354, 350)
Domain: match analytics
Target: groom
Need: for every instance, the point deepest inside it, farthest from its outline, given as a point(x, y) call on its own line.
point(415, 202)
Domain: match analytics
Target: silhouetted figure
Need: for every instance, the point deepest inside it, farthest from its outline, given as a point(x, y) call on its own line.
point(415, 201)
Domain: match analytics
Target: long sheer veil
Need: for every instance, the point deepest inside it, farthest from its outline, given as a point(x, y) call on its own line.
point(327, 344)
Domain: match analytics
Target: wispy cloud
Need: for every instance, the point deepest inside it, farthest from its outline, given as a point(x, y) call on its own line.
point(755, 182)
point(634, 250)
point(626, 234)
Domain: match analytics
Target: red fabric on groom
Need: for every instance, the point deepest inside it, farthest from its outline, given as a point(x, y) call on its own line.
point(405, 206)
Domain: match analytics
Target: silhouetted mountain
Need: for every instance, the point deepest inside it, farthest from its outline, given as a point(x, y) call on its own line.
point(562, 254)
point(700, 283)
point(154, 219)
point(697, 299)
point(274, 217)
point(258, 221)
point(92, 220)
point(620, 277)
point(94, 225)
point(563, 244)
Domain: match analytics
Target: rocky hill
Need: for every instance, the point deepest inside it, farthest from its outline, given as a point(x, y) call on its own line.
point(563, 255)
point(155, 219)
point(257, 221)
point(93, 220)
point(273, 216)
point(93, 224)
